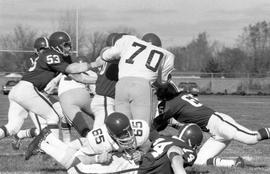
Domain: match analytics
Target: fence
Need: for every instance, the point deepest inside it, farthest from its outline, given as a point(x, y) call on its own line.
point(210, 83)
point(218, 83)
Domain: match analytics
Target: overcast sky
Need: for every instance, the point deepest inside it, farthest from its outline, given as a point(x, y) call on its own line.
point(177, 22)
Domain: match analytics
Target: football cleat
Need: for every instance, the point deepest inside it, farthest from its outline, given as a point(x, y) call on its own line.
point(34, 146)
point(16, 143)
point(239, 162)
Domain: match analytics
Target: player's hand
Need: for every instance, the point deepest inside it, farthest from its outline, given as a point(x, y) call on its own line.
point(104, 158)
point(137, 156)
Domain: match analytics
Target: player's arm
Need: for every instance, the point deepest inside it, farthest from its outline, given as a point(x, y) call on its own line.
point(167, 67)
point(103, 158)
point(88, 77)
point(83, 67)
point(175, 155)
point(112, 53)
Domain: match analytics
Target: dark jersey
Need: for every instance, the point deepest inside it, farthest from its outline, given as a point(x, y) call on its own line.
point(107, 78)
point(45, 67)
point(29, 62)
point(156, 160)
point(187, 109)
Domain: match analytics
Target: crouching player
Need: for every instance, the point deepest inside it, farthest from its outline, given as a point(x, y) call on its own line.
point(168, 155)
point(118, 134)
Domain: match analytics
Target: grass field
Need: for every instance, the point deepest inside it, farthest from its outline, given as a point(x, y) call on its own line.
point(250, 111)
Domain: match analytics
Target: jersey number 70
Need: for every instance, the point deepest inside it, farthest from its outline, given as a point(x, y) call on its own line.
point(151, 55)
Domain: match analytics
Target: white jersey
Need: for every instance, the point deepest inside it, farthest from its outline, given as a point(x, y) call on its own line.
point(53, 84)
point(100, 141)
point(140, 59)
point(66, 83)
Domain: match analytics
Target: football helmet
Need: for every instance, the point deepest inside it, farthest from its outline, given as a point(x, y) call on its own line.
point(167, 91)
point(119, 128)
point(191, 134)
point(153, 38)
point(41, 43)
point(61, 42)
point(111, 39)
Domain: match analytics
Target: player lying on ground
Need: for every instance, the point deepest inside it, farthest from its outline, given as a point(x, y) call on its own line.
point(222, 128)
point(167, 155)
point(118, 134)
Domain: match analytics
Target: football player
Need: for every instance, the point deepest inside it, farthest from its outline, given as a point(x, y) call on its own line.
point(185, 108)
point(75, 100)
point(168, 154)
point(142, 61)
point(118, 134)
point(40, 44)
point(27, 96)
point(103, 101)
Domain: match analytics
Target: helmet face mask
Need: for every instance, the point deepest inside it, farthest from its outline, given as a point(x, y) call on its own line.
point(65, 48)
point(120, 130)
point(126, 140)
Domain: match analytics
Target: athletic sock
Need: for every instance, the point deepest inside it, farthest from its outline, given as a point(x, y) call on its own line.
point(66, 132)
point(221, 162)
point(27, 133)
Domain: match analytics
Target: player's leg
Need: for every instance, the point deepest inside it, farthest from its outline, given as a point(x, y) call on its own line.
point(72, 102)
point(118, 165)
point(65, 126)
point(210, 149)
point(101, 106)
point(224, 129)
point(143, 102)
point(35, 101)
point(122, 100)
point(232, 130)
point(52, 146)
point(39, 123)
point(16, 116)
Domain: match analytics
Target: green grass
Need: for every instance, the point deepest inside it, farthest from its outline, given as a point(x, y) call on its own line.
point(251, 111)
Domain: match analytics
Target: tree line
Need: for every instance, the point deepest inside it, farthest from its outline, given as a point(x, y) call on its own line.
point(249, 55)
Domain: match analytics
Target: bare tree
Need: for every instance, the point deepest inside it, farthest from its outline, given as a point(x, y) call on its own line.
point(22, 38)
point(94, 43)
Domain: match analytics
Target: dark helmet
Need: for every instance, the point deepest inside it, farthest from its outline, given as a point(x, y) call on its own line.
point(191, 134)
point(111, 39)
point(120, 130)
point(41, 43)
point(58, 40)
point(167, 91)
point(153, 38)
